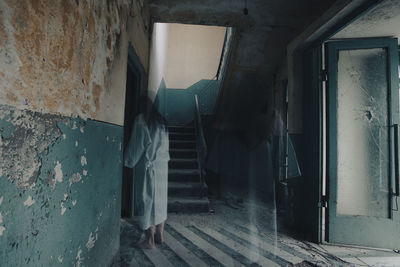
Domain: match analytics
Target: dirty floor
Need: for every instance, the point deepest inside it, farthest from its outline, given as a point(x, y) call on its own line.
point(239, 234)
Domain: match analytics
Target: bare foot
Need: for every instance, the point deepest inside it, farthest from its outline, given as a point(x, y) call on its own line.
point(159, 238)
point(144, 244)
point(159, 235)
point(148, 241)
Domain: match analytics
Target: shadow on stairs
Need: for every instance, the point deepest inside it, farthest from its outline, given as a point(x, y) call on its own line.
point(186, 192)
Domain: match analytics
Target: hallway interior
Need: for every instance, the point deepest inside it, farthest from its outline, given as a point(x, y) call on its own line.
point(267, 101)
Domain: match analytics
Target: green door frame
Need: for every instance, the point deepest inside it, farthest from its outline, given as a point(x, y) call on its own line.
point(311, 186)
point(313, 77)
point(372, 228)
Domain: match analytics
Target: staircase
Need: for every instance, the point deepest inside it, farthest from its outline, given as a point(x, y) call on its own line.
point(186, 192)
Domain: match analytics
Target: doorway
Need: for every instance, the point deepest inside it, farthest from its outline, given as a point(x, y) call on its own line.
point(362, 142)
point(134, 81)
point(350, 127)
point(362, 116)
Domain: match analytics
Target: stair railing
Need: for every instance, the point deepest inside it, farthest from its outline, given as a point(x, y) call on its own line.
point(200, 140)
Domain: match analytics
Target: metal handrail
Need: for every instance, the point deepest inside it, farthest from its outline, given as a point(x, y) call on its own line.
point(200, 140)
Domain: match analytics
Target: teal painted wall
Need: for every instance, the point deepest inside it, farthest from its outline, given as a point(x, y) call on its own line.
point(180, 102)
point(60, 188)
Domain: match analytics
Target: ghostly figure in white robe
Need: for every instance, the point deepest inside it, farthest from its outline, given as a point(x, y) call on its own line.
point(147, 153)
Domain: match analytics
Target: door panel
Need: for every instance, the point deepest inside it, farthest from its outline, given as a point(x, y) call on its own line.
point(363, 109)
point(363, 133)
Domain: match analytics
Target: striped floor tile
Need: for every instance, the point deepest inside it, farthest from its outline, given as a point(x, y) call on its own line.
point(208, 248)
point(244, 251)
point(134, 263)
point(294, 250)
point(258, 242)
point(157, 258)
point(182, 251)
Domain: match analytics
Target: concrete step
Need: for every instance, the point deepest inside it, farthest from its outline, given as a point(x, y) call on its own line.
point(186, 193)
point(182, 136)
point(188, 205)
point(183, 164)
point(183, 153)
point(182, 144)
point(181, 129)
point(186, 189)
point(184, 175)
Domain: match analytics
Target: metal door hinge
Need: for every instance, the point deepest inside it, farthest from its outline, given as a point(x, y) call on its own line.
point(323, 203)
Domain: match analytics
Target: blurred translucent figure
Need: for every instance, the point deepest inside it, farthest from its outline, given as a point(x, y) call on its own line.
point(254, 155)
point(147, 152)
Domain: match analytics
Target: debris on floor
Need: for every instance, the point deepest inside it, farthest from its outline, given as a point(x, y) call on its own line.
point(234, 237)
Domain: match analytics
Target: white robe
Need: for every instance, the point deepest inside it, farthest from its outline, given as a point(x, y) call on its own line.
point(147, 153)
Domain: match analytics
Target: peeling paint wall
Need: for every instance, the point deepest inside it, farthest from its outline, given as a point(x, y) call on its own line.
point(66, 208)
point(62, 94)
point(66, 57)
point(138, 31)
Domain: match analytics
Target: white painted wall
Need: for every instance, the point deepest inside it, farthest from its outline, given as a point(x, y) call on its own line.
point(193, 53)
point(158, 58)
point(381, 21)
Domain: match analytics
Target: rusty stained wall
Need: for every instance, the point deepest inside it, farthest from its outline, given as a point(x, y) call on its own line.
point(60, 177)
point(138, 31)
point(67, 57)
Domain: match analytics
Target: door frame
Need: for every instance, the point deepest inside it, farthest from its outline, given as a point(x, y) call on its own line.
point(308, 52)
point(391, 45)
point(138, 71)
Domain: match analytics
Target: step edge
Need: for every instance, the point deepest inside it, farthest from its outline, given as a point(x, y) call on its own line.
point(171, 183)
point(183, 159)
point(180, 126)
point(183, 149)
point(181, 134)
point(182, 141)
point(179, 171)
point(194, 200)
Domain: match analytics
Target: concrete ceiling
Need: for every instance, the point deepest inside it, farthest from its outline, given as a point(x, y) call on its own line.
point(261, 39)
point(381, 21)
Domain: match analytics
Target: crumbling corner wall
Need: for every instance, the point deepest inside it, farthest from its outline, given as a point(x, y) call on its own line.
point(58, 56)
point(62, 94)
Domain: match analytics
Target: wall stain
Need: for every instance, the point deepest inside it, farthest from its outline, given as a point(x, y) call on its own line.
point(3, 35)
point(76, 177)
point(11, 96)
point(96, 95)
point(32, 134)
point(62, 53)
